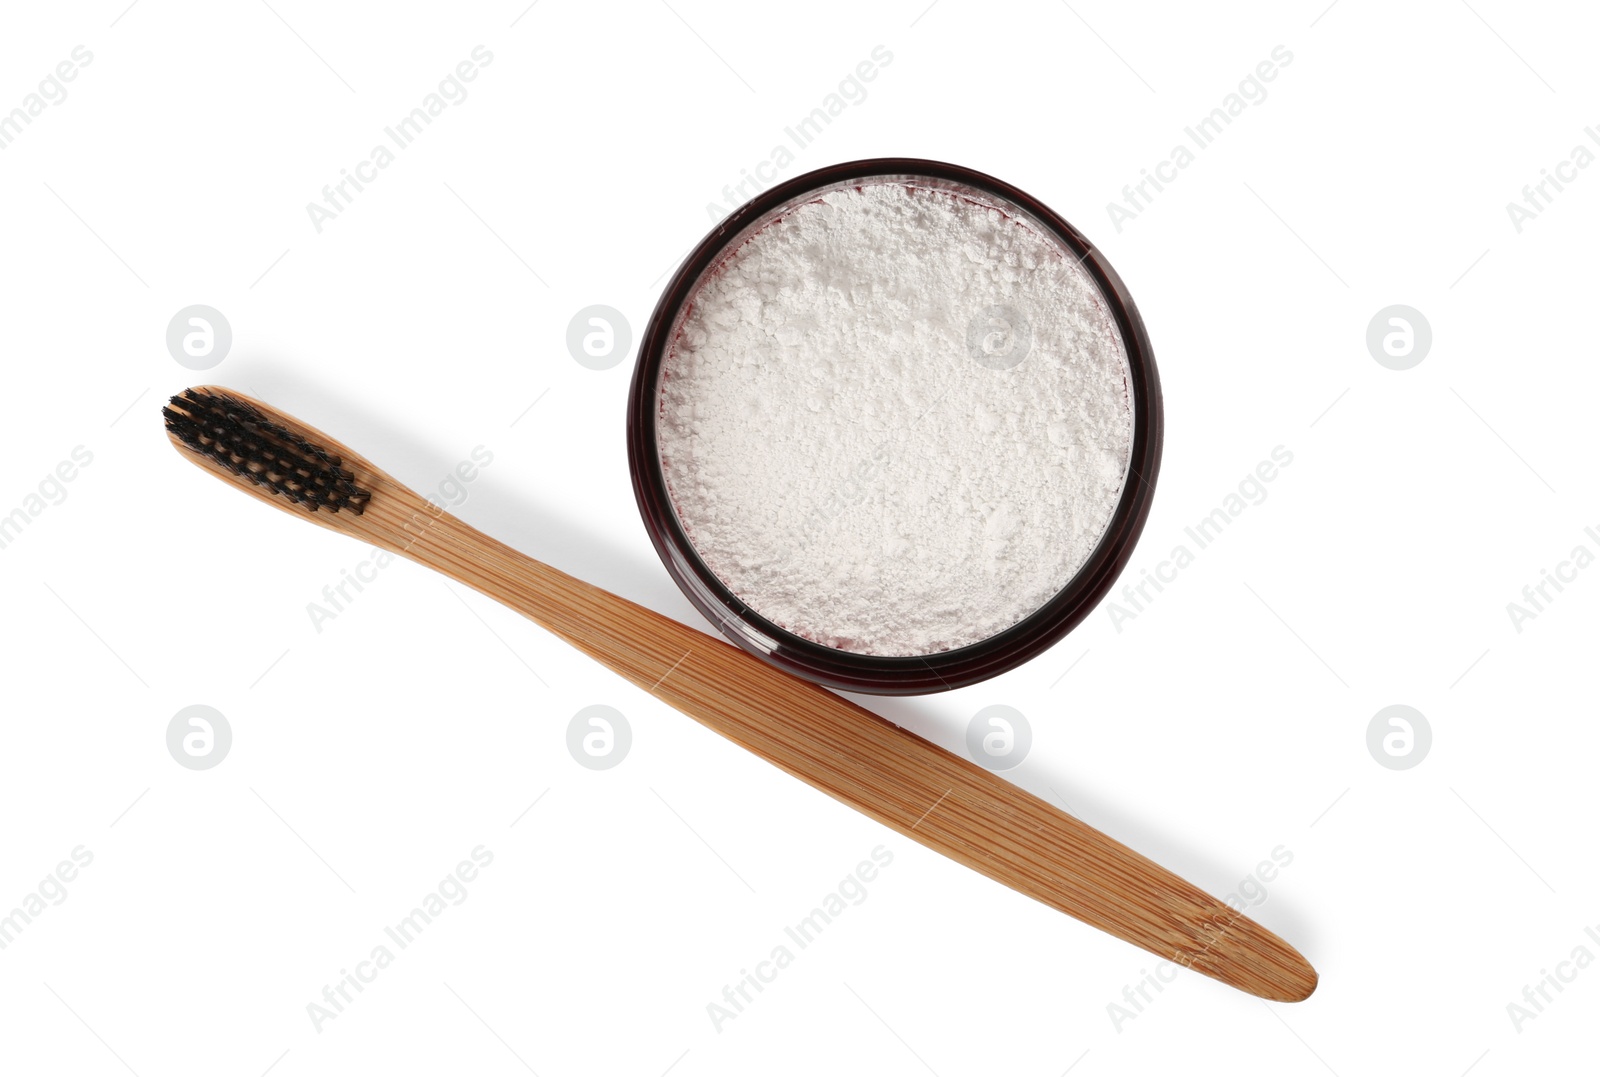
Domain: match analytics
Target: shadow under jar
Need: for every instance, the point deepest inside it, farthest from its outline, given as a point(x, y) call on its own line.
point(894, 426)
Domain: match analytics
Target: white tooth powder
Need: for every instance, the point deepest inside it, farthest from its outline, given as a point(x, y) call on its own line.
point(850, 442)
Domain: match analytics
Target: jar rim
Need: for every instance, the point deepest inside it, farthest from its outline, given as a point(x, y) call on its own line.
point(848, 670)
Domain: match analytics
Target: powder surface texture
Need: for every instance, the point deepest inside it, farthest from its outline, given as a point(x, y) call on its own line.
point(896, 419)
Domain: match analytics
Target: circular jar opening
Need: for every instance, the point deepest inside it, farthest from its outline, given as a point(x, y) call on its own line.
point(894, 426)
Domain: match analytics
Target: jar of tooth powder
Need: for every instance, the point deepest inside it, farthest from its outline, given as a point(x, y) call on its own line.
point(894, 426)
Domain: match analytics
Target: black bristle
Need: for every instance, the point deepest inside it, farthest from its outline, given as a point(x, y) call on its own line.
point(243, 440)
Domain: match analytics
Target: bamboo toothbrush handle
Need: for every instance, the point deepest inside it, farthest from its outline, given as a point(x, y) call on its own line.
point(905, 782)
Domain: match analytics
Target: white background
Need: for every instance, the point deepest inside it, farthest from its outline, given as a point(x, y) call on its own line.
point(369, 758)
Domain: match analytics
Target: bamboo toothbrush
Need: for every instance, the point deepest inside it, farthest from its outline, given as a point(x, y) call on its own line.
point(904, 782)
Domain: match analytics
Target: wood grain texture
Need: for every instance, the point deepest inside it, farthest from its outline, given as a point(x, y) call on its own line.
point(910, 785)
